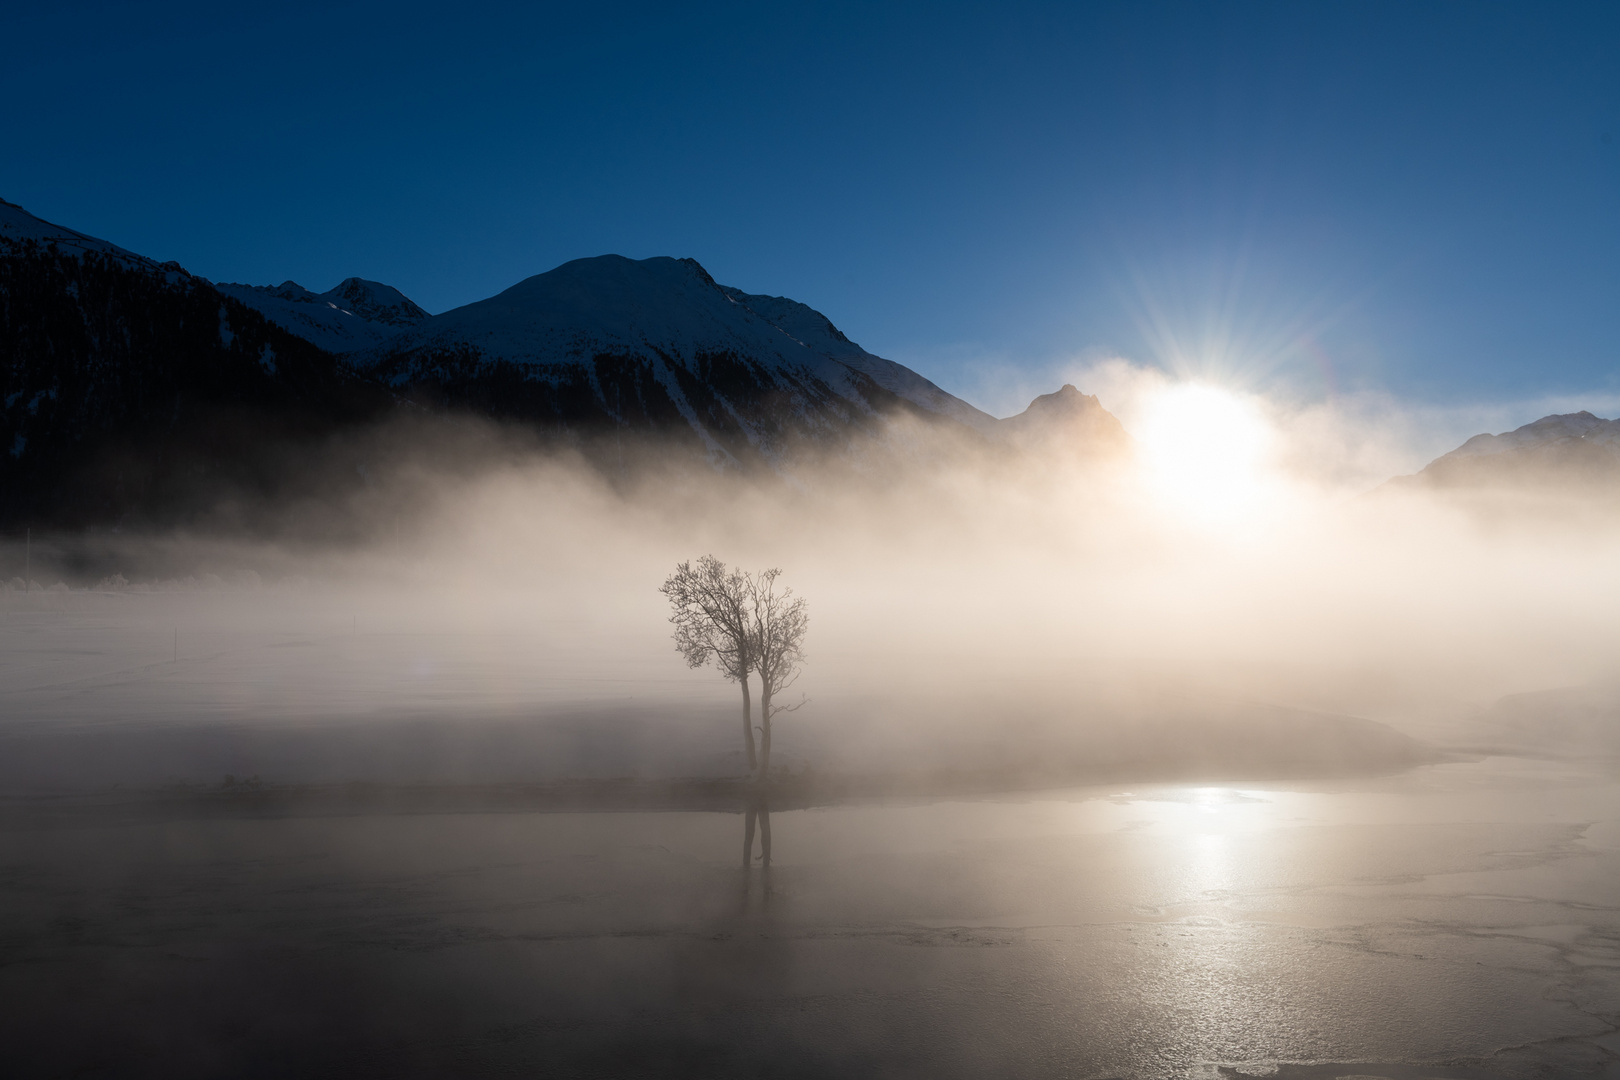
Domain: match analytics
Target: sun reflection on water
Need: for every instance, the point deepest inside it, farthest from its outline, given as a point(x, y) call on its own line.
point(1200, 810)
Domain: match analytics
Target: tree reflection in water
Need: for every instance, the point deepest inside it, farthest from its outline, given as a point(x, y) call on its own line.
point(757, 811)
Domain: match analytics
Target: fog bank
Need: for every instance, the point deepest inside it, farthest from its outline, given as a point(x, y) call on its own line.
point(488, 610)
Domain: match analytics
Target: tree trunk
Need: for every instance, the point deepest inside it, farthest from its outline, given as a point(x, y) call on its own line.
point(748, 724)
point(765, 834)
point(748, 837)
point(764, 731)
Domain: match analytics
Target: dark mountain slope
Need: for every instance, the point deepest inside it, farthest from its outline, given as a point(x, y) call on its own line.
point(132, 388)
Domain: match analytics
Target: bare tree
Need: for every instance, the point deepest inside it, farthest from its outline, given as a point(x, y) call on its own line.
point(713, 621)
point(778, 622)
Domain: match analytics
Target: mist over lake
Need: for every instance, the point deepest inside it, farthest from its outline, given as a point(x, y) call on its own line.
point(447, 800)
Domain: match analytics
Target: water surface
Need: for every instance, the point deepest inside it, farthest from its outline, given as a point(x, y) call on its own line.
point(1456, 921)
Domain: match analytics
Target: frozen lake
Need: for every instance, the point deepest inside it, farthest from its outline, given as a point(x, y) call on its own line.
point(1458, 920)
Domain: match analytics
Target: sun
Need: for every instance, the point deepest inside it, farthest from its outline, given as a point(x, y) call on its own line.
point(1205, 450)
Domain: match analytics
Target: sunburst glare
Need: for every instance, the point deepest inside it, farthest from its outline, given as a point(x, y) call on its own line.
point(1205, 449)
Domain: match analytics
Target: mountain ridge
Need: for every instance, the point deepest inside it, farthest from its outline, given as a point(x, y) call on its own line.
point(18, 226)
point(625, 340)
point(353, 315)
point(1559, 451)
point(134, 390)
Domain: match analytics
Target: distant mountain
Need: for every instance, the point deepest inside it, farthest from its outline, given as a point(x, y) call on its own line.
point(1570, 450)
point(132, 387)
point(356, 314)
point(610, 342)
point(1066, 422)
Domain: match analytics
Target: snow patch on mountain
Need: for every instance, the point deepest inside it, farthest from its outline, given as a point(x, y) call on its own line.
point(356, 314)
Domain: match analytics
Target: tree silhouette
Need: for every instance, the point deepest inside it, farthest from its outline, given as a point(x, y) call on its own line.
point(743, 625)
point(713, 623)
point(777, 626)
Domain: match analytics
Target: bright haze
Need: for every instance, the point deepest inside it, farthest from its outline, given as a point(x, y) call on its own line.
point(1253, 233)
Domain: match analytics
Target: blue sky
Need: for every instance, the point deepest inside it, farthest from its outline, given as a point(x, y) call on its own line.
point(1310, 199)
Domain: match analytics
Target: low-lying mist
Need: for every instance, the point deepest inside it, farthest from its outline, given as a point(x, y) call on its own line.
point(450, 601)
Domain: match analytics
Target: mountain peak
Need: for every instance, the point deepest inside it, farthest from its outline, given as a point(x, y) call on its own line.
point(376, 302)
point(662, 334)
point(1065, 400)
point(355, 314)
point(1066, 418)
point(697, 266)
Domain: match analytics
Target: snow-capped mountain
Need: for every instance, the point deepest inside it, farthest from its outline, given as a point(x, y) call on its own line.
point(611, 341)
point(1557, 451)
point(126, 384)
point(816, 332)
point(356, 314)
